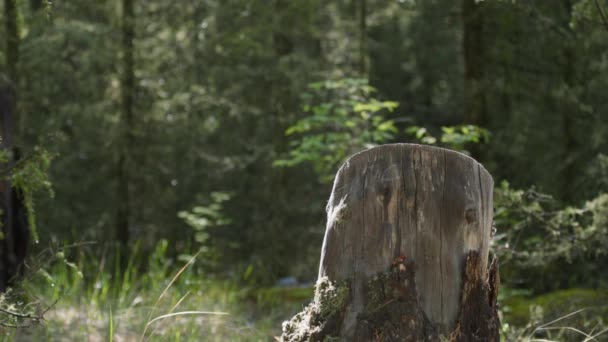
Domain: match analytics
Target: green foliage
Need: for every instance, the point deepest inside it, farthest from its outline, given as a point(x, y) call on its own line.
point(587, 13)
point(219, 83)
point(535, 233)
point(453, 137)
point(13, 308)
point(202, 219)
point(545, 230)
point(343, 117)
point(31, 175)
point(4, 156)
point(458, 137)
point(564, 315)
point(557, 304)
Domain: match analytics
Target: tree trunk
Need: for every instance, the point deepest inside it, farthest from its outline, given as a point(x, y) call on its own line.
point(405, 255)
point(569, 172)
point(7, 107)
point(363, 38)
point(474, 60)
point(127, 125)
point(15, 231)
point(12, 39)
point(12, 59)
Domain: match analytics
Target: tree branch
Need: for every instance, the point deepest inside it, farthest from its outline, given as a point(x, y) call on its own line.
point(602, 14)
point(34, 318)
point(7, 171)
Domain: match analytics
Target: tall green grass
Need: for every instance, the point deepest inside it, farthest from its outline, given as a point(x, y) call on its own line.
point(156, 299)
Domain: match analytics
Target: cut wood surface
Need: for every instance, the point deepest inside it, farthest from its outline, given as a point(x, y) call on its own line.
point(421, 207)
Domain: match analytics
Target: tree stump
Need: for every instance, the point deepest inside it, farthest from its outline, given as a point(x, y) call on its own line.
point(405, 254)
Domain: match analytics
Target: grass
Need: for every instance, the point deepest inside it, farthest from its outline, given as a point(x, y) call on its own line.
point(565, 315)
point(84, 296)
point(168, 302)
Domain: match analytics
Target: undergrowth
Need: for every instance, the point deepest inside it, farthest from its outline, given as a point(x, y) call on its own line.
point(84, 296)
point(80, 293)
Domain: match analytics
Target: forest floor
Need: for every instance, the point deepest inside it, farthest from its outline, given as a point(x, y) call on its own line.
point(174, 301)
point(170, 301)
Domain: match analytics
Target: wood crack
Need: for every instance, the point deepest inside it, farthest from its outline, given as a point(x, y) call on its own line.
point(445, 166)
point(482, 214)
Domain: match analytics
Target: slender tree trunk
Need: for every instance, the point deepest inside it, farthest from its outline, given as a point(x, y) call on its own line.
point(282, 43)
point(363, 38)
point(12, 39)
point(570, 145)
point(7, 252)
point(15, 231)
point(123, 202)
point(9, 86)
point(475, 108)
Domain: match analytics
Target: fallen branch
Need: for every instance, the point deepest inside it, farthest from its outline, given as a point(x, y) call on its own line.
point(34, 319)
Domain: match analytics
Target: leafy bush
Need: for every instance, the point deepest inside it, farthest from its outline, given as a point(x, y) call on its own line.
point(343, 117)
point(543, 246)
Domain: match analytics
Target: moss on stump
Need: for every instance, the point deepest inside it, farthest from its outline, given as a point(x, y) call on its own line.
point(320, 320)
point(393, 311)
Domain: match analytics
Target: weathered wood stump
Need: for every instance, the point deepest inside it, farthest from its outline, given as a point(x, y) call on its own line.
point(405, 254)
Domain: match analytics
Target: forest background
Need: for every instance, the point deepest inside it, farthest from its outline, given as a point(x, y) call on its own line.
point(177, 156)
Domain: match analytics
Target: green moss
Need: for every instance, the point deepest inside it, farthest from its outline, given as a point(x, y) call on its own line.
point(376, 292)
point(330, 298)
point(392, 310)
point(318, 321)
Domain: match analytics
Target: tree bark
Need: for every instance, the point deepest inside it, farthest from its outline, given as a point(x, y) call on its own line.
point(405, 254)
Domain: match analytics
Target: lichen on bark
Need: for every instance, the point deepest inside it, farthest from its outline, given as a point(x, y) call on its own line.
point(320, 320)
